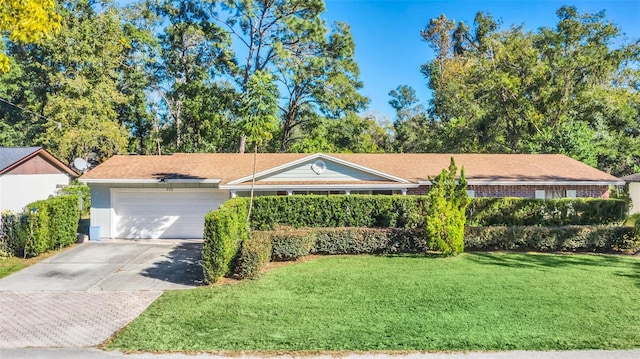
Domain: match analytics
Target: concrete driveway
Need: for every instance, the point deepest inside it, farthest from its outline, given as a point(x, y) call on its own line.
point(80, 297)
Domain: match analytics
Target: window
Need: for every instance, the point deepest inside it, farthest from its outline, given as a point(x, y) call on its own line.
point(550, 194)
point(571, 193)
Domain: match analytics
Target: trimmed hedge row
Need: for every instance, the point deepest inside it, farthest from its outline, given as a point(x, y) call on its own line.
point(408, 211)
point(534, 212)
point(337, 211)
point(400, 222)
point(394, 241)
point(224, 231)
point(45, 225)
point(553, 239)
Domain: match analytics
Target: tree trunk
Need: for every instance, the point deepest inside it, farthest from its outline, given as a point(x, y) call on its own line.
point(243, 143)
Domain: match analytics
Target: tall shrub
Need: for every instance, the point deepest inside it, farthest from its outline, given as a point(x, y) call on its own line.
point(445, 215)
point(224, 231)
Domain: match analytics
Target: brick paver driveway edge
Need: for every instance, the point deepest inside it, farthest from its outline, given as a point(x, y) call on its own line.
point(66, 318)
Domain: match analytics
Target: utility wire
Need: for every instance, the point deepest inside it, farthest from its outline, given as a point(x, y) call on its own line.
point(22, 108)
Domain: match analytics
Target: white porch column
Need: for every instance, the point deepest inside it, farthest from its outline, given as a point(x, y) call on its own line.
point(289, 192)
point(347, 192)
point(404, 191)
point(233, 193)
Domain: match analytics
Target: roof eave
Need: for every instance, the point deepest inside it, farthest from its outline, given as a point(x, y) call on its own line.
point(537, 183)
point(149, 180)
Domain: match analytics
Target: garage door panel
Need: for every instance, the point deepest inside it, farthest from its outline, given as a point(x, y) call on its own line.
point(164, 214)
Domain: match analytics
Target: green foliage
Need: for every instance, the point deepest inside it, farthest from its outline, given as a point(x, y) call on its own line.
point(533, 212)
point(64, 214)
point(553, 239)
point(445, 215)
point(290, 244)
point(10, 224)
point(224, 231)
point(45, 225)
point(254, 255)
point(82, 190)
point(337, 211)
point(409, 211)
point(369, 241)
point(569, 89)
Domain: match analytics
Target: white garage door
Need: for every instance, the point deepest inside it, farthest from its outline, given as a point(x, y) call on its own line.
point(163, 214)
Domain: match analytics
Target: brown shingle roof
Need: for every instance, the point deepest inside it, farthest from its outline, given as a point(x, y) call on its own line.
point(412, 167)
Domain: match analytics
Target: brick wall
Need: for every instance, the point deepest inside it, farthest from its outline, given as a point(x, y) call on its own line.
point(524, 191)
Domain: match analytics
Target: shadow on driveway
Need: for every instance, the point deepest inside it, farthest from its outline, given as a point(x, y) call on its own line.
point(182, 265)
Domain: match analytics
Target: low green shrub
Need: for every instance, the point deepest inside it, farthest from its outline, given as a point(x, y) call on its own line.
point(253, 256)
point(290, 243)
point(552, 239)
point(534, 212)
point(224, 231)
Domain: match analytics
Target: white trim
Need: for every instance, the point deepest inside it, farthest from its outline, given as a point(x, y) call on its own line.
point(150, 180)
point(327, 187)
point(535, 183)
point(324, 157)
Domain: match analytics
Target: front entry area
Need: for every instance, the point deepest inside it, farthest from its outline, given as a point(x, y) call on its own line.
point(162, 213)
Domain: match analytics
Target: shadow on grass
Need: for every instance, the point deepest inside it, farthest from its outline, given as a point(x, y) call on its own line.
point(528, 260)
point(182, 266)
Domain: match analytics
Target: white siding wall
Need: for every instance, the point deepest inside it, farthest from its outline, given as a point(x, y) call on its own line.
point(634, 193)
point(16, 191)
point(333, 172)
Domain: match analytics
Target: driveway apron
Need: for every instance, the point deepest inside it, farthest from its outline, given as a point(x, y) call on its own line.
point(80, 297)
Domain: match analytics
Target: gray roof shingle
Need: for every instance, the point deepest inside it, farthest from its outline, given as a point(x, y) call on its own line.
point(11, 155)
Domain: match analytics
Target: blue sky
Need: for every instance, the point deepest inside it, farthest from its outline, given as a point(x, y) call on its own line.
point(389, 49)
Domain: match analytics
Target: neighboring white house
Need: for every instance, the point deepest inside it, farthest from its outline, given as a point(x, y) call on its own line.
point(634, 191)
point(28, 174)
point(168, 196)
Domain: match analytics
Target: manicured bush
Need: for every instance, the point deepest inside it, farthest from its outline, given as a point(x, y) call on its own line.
point(290, 243)
point(254, 255)
point(224, 231)
point(552, 239)
point(337, 211)
point(535, 212)
point(64, 214)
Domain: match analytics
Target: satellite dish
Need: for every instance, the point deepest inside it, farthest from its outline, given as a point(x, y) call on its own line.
point(80, 164)
point(318, 167)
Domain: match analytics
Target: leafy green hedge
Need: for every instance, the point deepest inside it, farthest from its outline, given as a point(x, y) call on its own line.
point(354, 240)
point(337, 211)
point(44, 225)
point(534, 212)
point(224, 231)
point(553, 239)
point(10, 227)
point(408, 211)
point(401, 219)
point(290, 243)
point(83, 191)
point(254, 255)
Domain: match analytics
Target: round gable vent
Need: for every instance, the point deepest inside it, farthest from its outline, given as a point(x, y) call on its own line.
point(318, 167)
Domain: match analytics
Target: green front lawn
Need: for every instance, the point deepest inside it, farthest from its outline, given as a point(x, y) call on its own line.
point(475, 301)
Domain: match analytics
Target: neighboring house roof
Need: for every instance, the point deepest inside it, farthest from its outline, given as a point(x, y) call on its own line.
point(12, 157)
point(233, 168)
point(632, 178)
